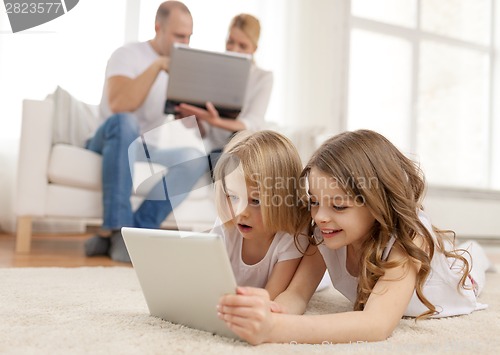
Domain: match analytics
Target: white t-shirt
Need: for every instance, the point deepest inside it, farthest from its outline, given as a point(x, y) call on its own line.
point(282, 248)
point(440, 288)
point(131, 60)
point(257, 96)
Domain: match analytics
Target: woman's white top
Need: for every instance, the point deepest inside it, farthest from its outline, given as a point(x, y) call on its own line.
point(282, 248)
point(440, 288)
point(253, 112)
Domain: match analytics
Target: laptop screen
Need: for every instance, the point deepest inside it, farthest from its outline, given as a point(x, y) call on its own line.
point(197, 76)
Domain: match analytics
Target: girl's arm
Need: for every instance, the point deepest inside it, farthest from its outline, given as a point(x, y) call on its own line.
point(280, 277)
point(311, 269)
point(248, 314)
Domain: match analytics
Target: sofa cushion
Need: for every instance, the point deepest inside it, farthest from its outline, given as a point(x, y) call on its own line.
point(75, 167)
point(73, 202)
point(81, 168)
point(73, 121)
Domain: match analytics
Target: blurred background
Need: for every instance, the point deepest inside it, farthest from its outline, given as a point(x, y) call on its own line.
point(424, 73)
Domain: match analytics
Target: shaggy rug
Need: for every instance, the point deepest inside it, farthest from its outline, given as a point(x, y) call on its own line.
point(102, 311)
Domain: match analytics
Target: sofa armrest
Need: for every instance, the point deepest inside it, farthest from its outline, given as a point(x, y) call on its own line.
point(34, 151)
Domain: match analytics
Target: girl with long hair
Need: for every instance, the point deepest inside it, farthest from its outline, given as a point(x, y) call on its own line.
point(370, 231)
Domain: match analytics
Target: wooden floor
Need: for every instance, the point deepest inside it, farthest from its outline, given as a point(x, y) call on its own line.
point(51, 250)
point(67, 251)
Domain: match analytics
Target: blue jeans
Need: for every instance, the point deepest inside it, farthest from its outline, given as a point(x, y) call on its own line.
point(112, 140)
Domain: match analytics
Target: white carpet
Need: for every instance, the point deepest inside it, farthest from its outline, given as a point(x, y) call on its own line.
point(102, 311)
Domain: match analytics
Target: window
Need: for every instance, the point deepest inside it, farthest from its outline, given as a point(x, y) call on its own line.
point(422, 72)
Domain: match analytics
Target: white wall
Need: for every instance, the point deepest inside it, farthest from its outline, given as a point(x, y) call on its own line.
point(472, 215)
point(316, 56)
point(70, 51)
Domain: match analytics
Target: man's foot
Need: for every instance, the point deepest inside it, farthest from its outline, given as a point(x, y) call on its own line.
point(97, 245)
point(118, 250)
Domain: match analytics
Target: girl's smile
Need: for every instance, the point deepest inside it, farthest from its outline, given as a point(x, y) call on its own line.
point(329, 233)
point(340, 218)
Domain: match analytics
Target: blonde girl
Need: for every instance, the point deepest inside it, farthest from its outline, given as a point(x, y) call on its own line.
point(257, 196)
point(369, 230)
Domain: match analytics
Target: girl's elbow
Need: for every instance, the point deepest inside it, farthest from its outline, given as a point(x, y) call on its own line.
point(381, 332)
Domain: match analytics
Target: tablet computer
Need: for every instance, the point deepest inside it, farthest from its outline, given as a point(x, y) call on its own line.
point(197, 76)
point(182, 275)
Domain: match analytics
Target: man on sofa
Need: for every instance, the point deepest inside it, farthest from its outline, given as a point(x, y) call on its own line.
point(132, 103)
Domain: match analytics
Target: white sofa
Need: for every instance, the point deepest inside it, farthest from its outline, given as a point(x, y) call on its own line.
point(58, 178)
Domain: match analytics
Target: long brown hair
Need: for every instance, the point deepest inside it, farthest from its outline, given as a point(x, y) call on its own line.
point(391, 186)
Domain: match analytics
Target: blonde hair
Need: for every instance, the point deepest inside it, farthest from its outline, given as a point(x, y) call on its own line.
point(270, 162)
point(249, 25)
point(391, 186)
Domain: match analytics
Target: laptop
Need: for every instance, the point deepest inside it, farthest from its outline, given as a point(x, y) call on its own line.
point(197, 76)
point(182, 275)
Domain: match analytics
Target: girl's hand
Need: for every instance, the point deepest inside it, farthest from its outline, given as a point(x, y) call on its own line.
point(277, 308)
point(249, 314)
point(210, 115)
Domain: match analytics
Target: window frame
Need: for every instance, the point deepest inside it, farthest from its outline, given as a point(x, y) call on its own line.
point(415, 36)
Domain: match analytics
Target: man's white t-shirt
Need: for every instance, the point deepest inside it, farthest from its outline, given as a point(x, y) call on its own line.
point(131, 60)
point(282, 248)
